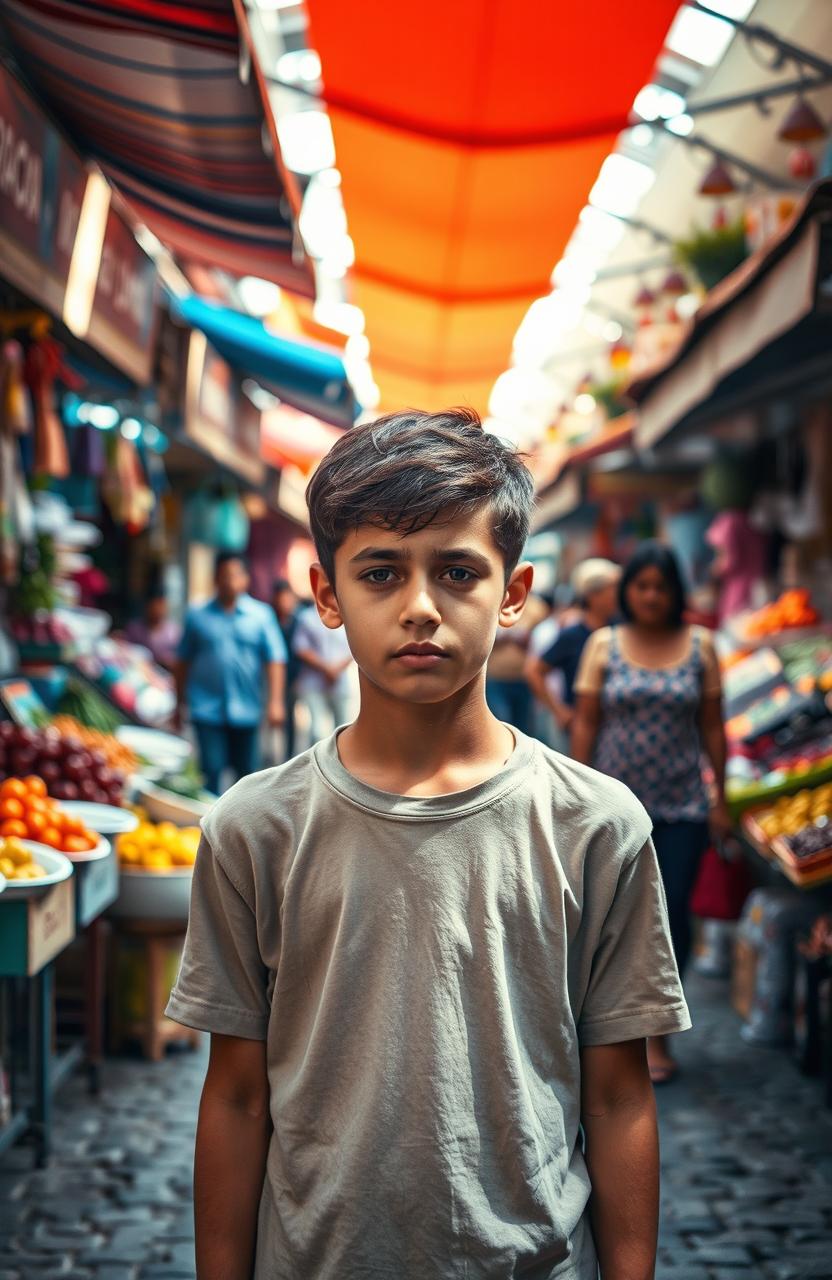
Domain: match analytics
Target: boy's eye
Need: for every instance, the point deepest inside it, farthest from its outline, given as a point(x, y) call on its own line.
point(457, 573)
point(377, 576)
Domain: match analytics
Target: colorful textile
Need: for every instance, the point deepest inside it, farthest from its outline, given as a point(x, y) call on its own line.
point(152, 91)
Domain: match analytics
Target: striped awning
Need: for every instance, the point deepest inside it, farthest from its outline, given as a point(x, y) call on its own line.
point(468, 136)
point(152, 91)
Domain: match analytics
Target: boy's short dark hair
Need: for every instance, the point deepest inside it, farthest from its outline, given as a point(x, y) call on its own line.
point(400, 471)
point(226, 557)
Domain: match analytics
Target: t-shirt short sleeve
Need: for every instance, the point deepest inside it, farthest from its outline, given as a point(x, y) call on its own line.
point(274, 646)
point(222, 984)
point(590, 675)
point(711, 678)
point(306, 636)
point(634, 988)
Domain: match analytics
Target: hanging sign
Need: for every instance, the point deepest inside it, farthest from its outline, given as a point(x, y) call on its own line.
point(42, 185)
point(123, 310)
point(219, 417)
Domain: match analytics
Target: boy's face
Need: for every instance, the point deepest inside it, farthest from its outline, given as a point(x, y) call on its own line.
point(421, 611)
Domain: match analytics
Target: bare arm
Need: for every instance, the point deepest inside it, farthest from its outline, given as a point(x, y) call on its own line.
point(276, 672)
point(618, 1112)
point(712, 730)
point(585, 725)
point(536, 671)
point(232, 1141)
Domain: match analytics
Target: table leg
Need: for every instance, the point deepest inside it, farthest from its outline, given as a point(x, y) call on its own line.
point(96, 963)
point(41, 1056)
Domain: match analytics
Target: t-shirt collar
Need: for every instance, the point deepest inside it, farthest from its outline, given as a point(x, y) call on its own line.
point(387, 804)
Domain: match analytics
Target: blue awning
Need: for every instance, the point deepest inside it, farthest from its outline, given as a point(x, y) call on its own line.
point(310, 377)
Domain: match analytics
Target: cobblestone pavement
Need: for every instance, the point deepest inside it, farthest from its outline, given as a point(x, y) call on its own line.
point(747, 1151)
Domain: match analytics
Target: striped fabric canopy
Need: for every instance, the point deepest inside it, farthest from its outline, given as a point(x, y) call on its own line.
point(151, 91)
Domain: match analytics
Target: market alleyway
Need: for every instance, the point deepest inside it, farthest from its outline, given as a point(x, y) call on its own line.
point(747, 1152)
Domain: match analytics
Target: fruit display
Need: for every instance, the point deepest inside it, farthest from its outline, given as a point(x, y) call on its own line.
point(42, 631)
point(793, 609)
point(28, 813)
point(130, 679)
point(70, 769)
point(810, 809)
point(115, 753)
point(158, 847)
point(17, 863)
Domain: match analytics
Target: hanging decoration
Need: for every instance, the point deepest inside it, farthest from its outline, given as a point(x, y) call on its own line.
point(801, 124)
point(802, 164)
point(717, 181)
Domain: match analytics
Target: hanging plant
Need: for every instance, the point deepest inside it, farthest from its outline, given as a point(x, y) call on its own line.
point(713, 254)
point(612, 397)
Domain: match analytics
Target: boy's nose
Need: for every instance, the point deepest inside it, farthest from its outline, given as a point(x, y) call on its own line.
point(419, 608)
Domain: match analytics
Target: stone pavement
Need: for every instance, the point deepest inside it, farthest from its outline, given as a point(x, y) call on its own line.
point(747, 1153)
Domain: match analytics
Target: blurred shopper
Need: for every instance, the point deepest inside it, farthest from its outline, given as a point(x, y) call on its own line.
point(323, 684)
point(561, 613)
point(595, 585)
point(649, 703)
point(287, 610)
point(156, 631)
point(507, 693)
point(231, 652)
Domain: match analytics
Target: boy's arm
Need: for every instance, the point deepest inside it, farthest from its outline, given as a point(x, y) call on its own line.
point(232, 1141)
point(618, 1113)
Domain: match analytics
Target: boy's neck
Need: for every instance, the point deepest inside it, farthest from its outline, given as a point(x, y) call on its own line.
point(425, 749)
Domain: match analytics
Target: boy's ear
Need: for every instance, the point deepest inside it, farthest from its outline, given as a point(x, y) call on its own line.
point(326, 600)
point(517, 593)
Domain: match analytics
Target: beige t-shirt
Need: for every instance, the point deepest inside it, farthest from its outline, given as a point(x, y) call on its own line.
point(595, 657)
point(425, 971)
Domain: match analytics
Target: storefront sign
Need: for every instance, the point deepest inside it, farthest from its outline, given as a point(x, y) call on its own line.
point(219, 417)
point(41, 188)
point(123, 310)
point(22, 704)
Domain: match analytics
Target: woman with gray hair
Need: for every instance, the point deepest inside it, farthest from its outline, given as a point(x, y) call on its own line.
point(595, 585)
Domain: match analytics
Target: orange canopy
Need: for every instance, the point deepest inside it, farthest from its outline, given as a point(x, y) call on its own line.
point(468, 135)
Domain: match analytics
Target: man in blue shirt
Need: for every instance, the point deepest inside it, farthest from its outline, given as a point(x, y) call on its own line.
point(227, 647)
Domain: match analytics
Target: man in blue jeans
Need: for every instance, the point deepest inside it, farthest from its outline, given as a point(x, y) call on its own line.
point(231, 657)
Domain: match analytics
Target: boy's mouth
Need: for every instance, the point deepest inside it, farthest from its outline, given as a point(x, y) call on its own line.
point(420, 655)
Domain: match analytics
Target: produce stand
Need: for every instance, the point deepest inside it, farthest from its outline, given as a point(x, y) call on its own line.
point(34, 930)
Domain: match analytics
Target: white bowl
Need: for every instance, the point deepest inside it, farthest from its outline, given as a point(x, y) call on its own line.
point(106, 819)
point(156, 746)
point(153, 895)
point(168, 806)
point(3, 882)
point(57, 866)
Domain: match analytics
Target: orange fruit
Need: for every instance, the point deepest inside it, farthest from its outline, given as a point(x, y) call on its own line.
point(11, 808)
point(35, 785)
point(14, 827)
point(72, 825)
point(52, 837)
point(36, 824)
point(76, 844)
point(14, 787)
point(36, 804)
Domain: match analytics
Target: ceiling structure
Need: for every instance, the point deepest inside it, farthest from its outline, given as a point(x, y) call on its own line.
point(569, 334)
point(153, 92)
point(465, 161)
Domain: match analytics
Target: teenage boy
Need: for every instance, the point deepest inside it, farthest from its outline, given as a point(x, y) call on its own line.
point(429, 950)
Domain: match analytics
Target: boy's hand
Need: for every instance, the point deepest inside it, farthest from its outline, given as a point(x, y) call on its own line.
point(618, 1112)
point(232, 1142)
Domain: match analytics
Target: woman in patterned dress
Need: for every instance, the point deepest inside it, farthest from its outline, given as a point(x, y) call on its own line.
point(649, 706)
